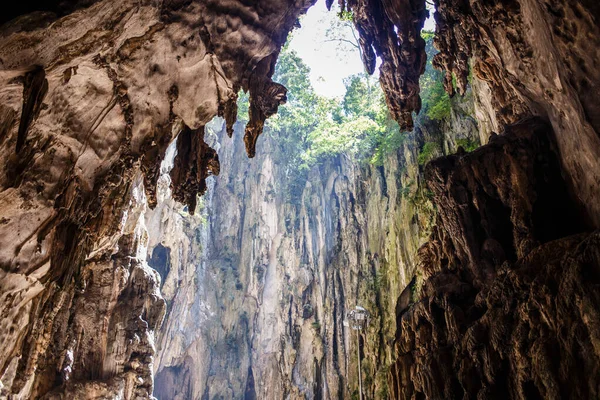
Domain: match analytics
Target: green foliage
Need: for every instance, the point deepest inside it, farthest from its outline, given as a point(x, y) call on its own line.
point(316, 326)
point(380, 281)
point(363, 97)
point(387, 144)
point(296, 120)
point(435, 101)
point(406, 190)
point(351, 137)
point(467, 144)
point(311, 129)
point(243, 105)
point(428, 152)
point(384, 391)
point(345, 15)
point(417, 286)
point(437, 104)
point(428, 36)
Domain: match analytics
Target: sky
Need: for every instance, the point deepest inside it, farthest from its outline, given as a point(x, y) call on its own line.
point(330, 60)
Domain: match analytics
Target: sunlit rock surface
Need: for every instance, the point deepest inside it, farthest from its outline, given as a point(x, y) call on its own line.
point(255, 287)
point(258, 287)
point(90, 102)
point(258, 282)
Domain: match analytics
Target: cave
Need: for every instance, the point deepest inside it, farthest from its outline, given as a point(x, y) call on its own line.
point(188, 210)
point(160, 261)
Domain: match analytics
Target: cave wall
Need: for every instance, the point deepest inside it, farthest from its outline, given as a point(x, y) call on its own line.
point(261, 280)
point(537, 58)
point(90, 99)
point(509, 306)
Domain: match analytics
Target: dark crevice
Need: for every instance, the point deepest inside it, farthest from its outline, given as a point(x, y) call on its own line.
point(58, 7)
point(161, 261)
point(35, 87)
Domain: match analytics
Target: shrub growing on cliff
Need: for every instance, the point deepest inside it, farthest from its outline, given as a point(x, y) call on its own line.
point(428, 152)
point(316, 326)
point(437, 104)
point(387, 144)
point(435, 101)
point(467, 144)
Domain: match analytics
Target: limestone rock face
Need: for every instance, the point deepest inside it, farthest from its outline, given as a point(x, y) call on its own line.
point(259, 280)
point(391, 31)
point(258, 285)
point(509, 289)
point(509, 305)
point(528, 58)
point(532, 58)
point(104, 123)
point(89, 324)
point(89, 103)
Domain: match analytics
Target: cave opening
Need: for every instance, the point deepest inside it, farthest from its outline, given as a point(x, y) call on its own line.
point(335, 121)
point(274, 200)
point(161, 261)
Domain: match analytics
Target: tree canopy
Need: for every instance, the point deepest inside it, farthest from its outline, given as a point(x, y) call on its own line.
point(311, 128)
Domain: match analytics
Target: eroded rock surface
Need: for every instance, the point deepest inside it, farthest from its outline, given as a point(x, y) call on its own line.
point(93, 96)
point(509, 307)
point(391, 31)
point(532, 58)
point(258, 285)
point(90, 101)
point(258, 282)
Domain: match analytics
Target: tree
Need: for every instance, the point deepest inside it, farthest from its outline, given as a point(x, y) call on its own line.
point(435, 101)
point(363, 96)
point(342, 31)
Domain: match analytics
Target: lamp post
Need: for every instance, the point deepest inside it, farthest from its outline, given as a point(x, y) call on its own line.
point(358, 319)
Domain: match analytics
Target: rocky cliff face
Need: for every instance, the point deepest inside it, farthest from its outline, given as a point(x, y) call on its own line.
point(258, 287)
point(508, 306)
point(259, 312)
point(536, 58)
point(510, 288)
point(256, 282)
point(90, 102)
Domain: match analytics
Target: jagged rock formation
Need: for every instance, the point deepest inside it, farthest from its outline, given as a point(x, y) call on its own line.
point(258, 311)
point(510, 302)
point(93, 97)
point(90, 102)
point(531, 58)
point(509, 307)
point(536, 58)
point(391, 30)
point(259, 284)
